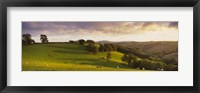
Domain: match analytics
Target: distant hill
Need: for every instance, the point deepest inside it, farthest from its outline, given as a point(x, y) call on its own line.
point(106, 42)
point(153, 47)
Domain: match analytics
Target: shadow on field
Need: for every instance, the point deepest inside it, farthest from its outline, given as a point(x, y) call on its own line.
point(94, 62)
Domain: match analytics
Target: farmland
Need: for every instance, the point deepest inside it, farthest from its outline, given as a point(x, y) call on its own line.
point(69, 57)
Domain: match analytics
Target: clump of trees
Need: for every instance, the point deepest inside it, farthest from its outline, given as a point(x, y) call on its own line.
point(26, 39)
point(81, 42)
point(92, 48)
point(90, 45)
point(44, 38)
point(129, 58)
point(137, 62)
point(107, 47)
point(90, 42)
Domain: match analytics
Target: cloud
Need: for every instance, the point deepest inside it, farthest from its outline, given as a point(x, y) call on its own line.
point(95, 29)
point(173, 24)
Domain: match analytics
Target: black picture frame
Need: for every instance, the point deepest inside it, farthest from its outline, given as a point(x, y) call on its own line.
point(98, 3)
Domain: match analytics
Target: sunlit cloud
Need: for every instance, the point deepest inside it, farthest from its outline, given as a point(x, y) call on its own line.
point(112, 31)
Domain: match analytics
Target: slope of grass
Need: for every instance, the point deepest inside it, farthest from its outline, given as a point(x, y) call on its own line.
point(68, 57)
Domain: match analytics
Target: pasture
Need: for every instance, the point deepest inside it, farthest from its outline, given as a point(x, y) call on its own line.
point(69, 57)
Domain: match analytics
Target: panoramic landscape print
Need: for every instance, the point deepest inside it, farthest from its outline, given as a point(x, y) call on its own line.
point(100, 46)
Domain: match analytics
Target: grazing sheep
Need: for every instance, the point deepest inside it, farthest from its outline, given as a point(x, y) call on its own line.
point(143, 68)
point(117, 66)
point(162, 69)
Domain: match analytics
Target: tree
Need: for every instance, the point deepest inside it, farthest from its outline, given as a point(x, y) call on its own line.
point(124, 58)
point(71, 41)
point(44, 38)
point(81, 41)
point(108, 47)
point(95, 49)
point(101, 48)
point(92, 48)
point(26, 39)
point(108, 56)
point(132, 58)
point(112, 47)
point(129, 58)
point(90, 41)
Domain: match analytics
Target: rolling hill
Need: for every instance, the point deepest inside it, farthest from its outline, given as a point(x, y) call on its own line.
point(153, 47)
point(69, 57)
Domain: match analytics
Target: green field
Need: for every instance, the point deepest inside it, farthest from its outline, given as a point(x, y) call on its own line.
point(69, 57)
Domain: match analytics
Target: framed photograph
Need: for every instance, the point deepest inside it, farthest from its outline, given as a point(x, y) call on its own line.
point(100, 46)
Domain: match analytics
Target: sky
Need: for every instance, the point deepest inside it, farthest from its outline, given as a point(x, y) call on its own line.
point(99, 31)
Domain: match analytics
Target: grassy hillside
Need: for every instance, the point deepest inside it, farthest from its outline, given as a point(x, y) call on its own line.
point(68, 57)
